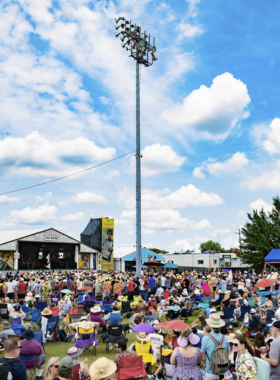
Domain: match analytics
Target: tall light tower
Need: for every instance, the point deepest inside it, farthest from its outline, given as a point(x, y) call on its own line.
point(142, 50)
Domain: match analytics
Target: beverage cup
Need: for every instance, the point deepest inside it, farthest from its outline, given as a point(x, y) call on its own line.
point(263, 350)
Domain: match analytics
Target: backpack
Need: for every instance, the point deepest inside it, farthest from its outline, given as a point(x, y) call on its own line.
point(70, 338)
point(5, 368)
point(219, 362)
point(59, 336)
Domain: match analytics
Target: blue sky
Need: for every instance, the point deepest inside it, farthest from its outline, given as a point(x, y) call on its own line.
point(209, 117)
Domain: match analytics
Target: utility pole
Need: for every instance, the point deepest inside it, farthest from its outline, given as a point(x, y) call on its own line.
point(142, 51)
point(239, 234)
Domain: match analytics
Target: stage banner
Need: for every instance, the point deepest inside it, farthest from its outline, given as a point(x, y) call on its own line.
point(84, 261)
point(107, 244)
point(6, 260)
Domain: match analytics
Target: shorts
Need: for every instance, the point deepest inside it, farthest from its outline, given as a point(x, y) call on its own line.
point(43, 359)
point(2, 295)
point(11, 296)
point(214, 288)
point(21, 296)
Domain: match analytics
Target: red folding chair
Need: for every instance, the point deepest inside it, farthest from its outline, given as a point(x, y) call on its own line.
point(166, 294)
point(131, 368)
point(55, 311)
point(174, 293)
point(75, 310)
point(80, 309)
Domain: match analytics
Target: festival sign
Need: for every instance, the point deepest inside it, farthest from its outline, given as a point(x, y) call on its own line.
point(107, 248)
point(84, 261)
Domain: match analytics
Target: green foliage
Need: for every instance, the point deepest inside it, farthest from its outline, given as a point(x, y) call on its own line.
point(212, 245)
point(260, 234)
point(156, 250)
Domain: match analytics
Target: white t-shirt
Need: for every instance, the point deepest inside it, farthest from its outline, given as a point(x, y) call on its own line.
point(278, 312)
point(230, 278)
point(248, 282)
point(10, 287)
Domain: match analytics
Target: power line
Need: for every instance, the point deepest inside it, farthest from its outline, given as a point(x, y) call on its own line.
point(67, 176)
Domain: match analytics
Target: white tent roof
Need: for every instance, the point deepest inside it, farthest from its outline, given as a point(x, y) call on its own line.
point(120, 252)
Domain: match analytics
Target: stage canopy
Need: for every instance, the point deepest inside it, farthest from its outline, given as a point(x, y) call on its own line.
point(273, 257)
point(147, 255)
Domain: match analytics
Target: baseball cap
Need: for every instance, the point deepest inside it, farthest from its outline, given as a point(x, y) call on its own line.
point(276, 324)
point(230, 327)
point(66, 362)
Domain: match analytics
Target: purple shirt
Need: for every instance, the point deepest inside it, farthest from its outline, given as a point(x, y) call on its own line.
point(31, 347)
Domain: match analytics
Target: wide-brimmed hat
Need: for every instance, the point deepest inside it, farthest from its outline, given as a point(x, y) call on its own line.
point(139, 299)
point(28, 334)
point(29, 297)
point(184, 341)
point(215, 321)
point(179, 277)
point(46, 283)
point(98, 280)
point(73, 352)
point(6, 325)
point(143, 337)
point(95, 309)
point(231, 336)
point(46, 311)
point(121, 298)
point(101, 368)
point(227, 292)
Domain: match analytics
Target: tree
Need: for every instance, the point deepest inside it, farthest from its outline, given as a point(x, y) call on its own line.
point(212, 245)
point(160, 251)
point(260, 234)
point(188, 252)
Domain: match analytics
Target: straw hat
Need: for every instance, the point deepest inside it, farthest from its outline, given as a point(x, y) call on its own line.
point(46, 311)
point(231, 336)
point(46, 283)
point(143, 337)
point(228, 292)
point(102, 368)
point(95, 309)
point(99, 279)
point(139, 299)
point(29, 297)
point(179, 277)
point(215, 321)
point(121, 298)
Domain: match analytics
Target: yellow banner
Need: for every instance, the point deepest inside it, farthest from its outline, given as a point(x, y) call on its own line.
point(107, 244)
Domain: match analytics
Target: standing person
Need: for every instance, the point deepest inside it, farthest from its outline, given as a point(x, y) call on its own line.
point(209, 344)
point(187, 357)
point(274, 353)
point(46, 293)
point(10, 289)
point(245, 366)
point(131, 286)
point(98, 287)
point(106, 287)
point(21, 289)
point(12, 350)
point(151, 283)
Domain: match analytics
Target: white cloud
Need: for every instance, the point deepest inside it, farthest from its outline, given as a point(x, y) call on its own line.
point(4, 200)
point(35, 155)
point(112, 173)
point(211, 113)
point(272, 144)
point(198, 173)
point(62, 203)
point(185, 196)
point(230, 242)
point(87, 197)
point(123, 222)
point(146, 231)
point(166, 219)
point(48, 195)
point(188, 30)
point(73, 217)
point(105, 100)
point(43, 214)
point(233, 164)
point(241, 213)
point(259, 204)
point(158, 159)
point(265, 180)
point(182, 244)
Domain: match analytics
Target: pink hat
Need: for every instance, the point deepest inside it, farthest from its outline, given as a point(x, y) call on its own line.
point(184, 341)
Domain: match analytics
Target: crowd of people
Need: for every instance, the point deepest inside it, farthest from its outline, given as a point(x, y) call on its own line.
point(232, 323)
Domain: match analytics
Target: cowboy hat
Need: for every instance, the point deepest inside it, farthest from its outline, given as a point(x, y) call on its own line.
point(179, 277)
point(121, 298)
point(6, 325)
point(215, 321)
point(102, 368)
point(46, 311)
point(99, 279)
point(143, 337)
point(74, 352)
point(95, 309)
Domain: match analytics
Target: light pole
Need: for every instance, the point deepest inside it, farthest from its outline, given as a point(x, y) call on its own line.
point(143, 52)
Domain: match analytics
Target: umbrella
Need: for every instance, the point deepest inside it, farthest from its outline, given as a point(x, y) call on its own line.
point(209, 251)
point(176, 324)
point(142, 266)
point(265, 283)
point(206, 289)
point(226, 270)
point(86, 288)
point(171, 266)
point(66, 291)
point(154, 264)
point(144, 328)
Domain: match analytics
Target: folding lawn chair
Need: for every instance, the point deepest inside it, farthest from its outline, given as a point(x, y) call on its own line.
point(26, 310)
point(41, 305)
point(131, 369)
point(87, 340)
point(35, 316)
point(55, 311)
point(30, 364)
point(114, 334)
point(4, 313)
point(228, 313)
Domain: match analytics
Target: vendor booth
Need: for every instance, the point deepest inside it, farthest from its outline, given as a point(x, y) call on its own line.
point(272, 260)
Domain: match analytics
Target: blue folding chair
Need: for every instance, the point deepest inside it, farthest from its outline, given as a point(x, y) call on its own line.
point(30, 364)
point(35, 316)
point(53, 326)
point(115, 319)
point(244, 310)
point(15, 321)
point(185, 313)
point(228, 313)
point(41, 305)
point(107, 306)
point(18, 329)
point(26, 310)
point(80, 298)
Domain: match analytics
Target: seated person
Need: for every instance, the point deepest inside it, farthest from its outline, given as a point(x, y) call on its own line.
point(84, 323)
point(251, 320)
point(12, 350)
point(136, 319)
point(202, 319)
point(29, 347)
point(149, 319)
point(17, 312)
point(7, 330)
point(122, 351)
point(214, 300)
point(159, 292)
point(115, 317)
point(74, 354)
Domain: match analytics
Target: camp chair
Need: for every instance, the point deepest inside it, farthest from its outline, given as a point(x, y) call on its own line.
point(74, 310)
point(244, 310)
point(87, 340)
point(97, 317)
point(52, 326)
point(30, 364)
point(269, 320)
point(107, 306)
point(35, 316)
point(126, 308)
point(174, 293)
point(144, 350)
point(206, 299)
point(80, 298)
point(174, 342)
point(41, 305)
point(254, 327)
point(143, 294)
point(55, 311)
point(228, 313)
point(173, 314)
point(16, 325)
point(4, 313)
point(166, 294)
point(114, 319)
point(88, 305)
point(38, 337)
point(73, 318)
point(131, 368)
point(185, 313)
point(114, 334)
point(26, 310)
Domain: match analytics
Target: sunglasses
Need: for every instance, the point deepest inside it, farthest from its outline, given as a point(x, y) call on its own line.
point(235, 344)
point(18, 347)
point(55, 366)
